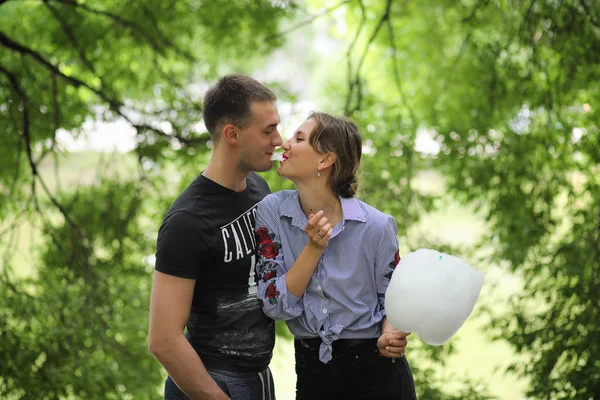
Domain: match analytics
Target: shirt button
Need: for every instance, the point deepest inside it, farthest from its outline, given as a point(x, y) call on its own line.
point(324, 311)
point(319, 288)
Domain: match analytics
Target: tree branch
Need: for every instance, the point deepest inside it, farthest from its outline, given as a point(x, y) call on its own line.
point(31, 75)
point(114, 104)
point(474, 10)
point(13, 45)
point(55, 125)
point(27, 137)
point(384, 17)
point(590, 13)
point(156, 45)
point(69, 34)
point(396, 73)
point(409, 149)
point(11, 246)
point(55, 104)
point(527, 15)
point(25, 104)
point(164, 37)
point(309, 20)
point(351, 83)
point(529, 9)
point(6, 281)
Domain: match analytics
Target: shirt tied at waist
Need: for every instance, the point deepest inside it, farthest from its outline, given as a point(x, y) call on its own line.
point(328, 337)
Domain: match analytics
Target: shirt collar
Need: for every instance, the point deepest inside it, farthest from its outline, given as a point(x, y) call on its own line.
point(351, 210)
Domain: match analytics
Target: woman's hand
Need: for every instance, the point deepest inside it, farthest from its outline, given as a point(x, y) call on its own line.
point(318, 229)
point(392, 344)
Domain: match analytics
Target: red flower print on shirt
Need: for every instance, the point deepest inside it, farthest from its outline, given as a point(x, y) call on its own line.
point(270, 275)
point(262, 234)
point(268, 249)
point(393, 265)
point(396, 258)
point(272, 293)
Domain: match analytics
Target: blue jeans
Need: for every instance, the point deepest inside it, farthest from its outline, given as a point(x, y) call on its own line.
point(238, 386)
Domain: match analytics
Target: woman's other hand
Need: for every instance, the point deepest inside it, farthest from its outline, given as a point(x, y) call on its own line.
point(392, 344)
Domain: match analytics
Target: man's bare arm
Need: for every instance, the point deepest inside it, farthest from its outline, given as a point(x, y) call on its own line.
point(170, 307)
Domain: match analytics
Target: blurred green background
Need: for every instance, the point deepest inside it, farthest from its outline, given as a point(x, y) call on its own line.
point(481, 129)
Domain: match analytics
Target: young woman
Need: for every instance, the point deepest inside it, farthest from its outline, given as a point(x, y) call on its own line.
point(324, 261)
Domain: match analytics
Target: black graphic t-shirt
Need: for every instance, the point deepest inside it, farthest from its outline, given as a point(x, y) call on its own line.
point(208, 235)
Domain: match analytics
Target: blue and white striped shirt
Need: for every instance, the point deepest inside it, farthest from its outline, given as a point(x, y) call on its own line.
point(345, 296)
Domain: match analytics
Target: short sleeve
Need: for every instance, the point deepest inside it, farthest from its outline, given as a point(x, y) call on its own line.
point(181, 247)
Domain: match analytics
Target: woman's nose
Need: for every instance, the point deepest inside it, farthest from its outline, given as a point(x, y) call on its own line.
point(286, 145)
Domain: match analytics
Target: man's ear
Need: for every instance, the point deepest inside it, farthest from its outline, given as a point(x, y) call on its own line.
point(327, 160)
point(230, 133)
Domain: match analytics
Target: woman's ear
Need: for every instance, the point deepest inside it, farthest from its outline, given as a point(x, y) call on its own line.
point(327, 160)
point(230, 134)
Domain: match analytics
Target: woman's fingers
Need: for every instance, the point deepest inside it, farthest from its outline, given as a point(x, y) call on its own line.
point(395, 352)
point(313, 220)
point(318, 228)
point(324, 230)
point(398, 343)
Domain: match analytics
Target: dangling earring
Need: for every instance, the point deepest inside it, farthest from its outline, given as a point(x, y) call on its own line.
point(318, 173)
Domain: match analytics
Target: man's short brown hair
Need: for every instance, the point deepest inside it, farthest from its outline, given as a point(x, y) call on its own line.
point(229, 102)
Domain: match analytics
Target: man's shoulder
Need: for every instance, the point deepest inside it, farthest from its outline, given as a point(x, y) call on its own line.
point(184, 222)
point(197, 189)
point(253, 176)
point(259, 183)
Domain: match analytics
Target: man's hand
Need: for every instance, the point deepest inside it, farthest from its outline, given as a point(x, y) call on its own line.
point(392, 344)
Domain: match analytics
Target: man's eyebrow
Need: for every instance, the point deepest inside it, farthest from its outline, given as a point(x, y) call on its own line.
point(273, 125)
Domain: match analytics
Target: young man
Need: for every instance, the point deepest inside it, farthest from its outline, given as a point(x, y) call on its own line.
point(204, 278)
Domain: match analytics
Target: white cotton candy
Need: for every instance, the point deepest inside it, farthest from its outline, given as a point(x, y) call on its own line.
point(432, 294)
point(277, 157)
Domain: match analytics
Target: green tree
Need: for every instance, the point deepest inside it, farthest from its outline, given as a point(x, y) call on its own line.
point(77, 327)
point(509, 90)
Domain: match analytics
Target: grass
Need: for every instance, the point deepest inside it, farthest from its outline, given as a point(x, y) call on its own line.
point(477, 358)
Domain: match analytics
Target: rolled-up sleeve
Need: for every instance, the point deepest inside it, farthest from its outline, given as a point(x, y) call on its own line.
point(386, 259)
point(278, 303)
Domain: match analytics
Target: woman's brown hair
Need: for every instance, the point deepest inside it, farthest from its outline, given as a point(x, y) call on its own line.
point(340, 136)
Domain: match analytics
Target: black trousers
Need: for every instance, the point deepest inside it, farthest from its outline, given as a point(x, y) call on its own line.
point(356, 371)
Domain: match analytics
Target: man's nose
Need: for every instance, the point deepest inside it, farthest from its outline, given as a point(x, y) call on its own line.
point(278, 141)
